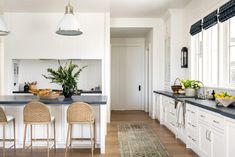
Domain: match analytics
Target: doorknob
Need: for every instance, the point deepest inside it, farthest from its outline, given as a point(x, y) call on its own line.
point(139, 87)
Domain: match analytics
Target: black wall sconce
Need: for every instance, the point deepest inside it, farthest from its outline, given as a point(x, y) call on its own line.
point(184, 57)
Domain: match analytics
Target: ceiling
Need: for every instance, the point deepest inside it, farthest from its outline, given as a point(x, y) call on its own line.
point(129, 32)
point(118, 8)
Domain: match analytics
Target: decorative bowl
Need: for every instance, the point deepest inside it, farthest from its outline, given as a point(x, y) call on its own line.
point(49, 96)
point(225, 101)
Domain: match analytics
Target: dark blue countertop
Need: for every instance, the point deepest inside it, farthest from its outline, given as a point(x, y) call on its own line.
point(205, 104)
point(24, 99)
point(172, 95)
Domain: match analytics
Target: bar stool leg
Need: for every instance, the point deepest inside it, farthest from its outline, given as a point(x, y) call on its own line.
point(67, 140)
point(3, 139)
point(71, 135)
point(54, 136)
point(48, 140)
point(94, 134)
point(92, 150)
point(31, 137)
point(25, 131)
point(14, 130)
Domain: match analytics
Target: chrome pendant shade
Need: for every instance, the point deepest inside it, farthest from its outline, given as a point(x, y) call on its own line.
point(69, 24)
point(3, 28)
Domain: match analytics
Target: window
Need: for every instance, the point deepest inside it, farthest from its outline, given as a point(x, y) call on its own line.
point(205, 56)
point(231, 50)
point(210, 56)
point(213, 55)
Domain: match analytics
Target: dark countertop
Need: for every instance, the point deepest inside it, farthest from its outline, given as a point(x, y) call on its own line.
point(171, 94)
point(81, 91)
point(211, 106)
point(24, 99)
point(205, 104)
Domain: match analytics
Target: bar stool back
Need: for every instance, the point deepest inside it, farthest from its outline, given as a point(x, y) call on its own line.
point(37, 113)
point(80, 113)
point(4, 120)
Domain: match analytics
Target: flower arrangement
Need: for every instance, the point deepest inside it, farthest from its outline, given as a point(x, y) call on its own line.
point(194, 84)
point(67, 76)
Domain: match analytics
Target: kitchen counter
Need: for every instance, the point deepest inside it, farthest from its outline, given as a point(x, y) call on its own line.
point(81, 91)
point(24, 99)
point(14, 105)
point(205, 104)
point(171, 94)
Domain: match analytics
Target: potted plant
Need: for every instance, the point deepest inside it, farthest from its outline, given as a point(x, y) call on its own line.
point(67, 76)
point(190, 86)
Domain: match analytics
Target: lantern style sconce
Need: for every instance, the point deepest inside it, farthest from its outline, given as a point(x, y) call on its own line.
point(184, 57)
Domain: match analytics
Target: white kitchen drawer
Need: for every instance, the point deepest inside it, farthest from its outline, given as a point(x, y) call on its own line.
point(203, 116)
point(191, 114)
point(217, 122)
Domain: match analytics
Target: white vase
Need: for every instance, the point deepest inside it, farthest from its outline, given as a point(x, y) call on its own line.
point(190, 92)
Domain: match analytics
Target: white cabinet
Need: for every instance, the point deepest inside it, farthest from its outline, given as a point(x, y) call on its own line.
point(218, 144)
point(170, 114)
point(205, 132)
point(230, 137)
point(204, 139)
point(191, 127)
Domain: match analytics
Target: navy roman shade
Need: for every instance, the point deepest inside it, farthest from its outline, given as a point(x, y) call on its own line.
point(196, 28)
point(227, 11)
point(210, 20)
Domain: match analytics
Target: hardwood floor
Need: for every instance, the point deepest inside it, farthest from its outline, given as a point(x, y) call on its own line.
point(175, 147)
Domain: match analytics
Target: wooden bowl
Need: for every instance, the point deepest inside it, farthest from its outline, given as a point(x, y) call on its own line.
point(49, 96)
point(225, 101)
point(176, 88)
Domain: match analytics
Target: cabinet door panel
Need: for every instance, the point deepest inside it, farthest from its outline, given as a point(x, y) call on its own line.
point(230, 139)
point(218, 144)
point(204, 141)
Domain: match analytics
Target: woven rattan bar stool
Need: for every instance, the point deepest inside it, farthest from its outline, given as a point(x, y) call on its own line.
point(80, 113)
point(37, 113)
point(4, 120)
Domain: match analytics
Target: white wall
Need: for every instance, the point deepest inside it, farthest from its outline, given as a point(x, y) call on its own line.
point(175, 32)
point(1, 66)
point(33, 37)
point(32, 70)
point(148, 67)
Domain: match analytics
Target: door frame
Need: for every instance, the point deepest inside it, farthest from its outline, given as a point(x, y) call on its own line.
point(144, 79)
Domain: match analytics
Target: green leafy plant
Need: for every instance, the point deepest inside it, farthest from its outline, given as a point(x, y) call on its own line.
point(195, 84)
point(67, 76)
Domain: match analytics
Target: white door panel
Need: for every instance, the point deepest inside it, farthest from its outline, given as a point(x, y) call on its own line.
point(127, 74)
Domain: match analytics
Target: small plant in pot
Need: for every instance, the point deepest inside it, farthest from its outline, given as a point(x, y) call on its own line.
point(67, 76)
point(190, 86)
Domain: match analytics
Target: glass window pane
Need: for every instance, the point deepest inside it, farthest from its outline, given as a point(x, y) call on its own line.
point(232, 65)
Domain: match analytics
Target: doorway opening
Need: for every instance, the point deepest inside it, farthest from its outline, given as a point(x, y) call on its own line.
point(130, 68)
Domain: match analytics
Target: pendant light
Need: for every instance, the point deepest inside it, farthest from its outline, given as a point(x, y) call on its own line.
point(3, 28)
point(69, 24)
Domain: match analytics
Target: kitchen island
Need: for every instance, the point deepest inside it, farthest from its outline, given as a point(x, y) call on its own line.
point(14, 105)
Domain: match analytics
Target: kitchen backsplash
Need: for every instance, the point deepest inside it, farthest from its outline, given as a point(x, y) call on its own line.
point(30, 70)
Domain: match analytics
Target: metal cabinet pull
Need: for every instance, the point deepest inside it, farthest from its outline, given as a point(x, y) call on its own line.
point(193, 126)
point(202, 116)
point(215, 121)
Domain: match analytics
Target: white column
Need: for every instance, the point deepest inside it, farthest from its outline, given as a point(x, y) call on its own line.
point(103, 127)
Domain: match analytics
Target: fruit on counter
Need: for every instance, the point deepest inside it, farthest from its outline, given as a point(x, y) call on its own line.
point(224, 95)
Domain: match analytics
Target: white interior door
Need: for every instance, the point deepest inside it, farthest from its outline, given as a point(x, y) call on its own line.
point(127, 77)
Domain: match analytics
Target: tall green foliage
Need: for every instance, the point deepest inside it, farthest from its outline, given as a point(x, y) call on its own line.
point(67, 76)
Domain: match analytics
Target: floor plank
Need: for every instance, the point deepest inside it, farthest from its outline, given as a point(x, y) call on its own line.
point(174, 146)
